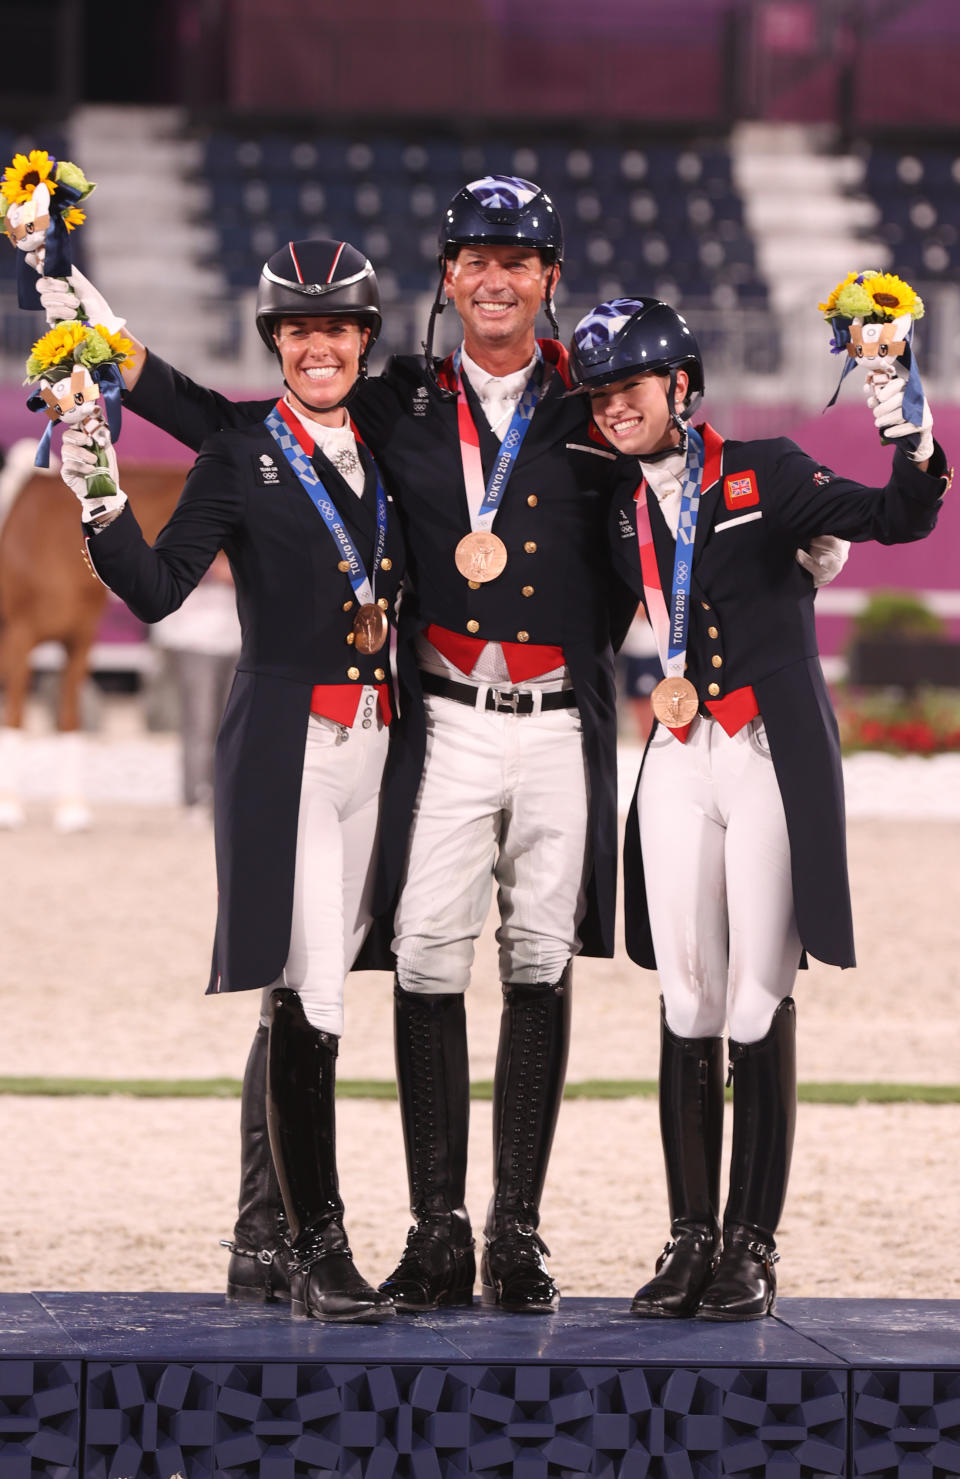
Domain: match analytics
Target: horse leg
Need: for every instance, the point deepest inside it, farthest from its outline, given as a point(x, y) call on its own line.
point(15, 666)
point(71, 811)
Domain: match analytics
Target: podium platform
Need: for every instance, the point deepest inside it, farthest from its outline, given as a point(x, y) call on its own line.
point(147, 1386)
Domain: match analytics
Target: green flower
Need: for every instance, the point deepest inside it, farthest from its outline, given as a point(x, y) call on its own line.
point(95, 350)
point(72, 175)
point(853, 301)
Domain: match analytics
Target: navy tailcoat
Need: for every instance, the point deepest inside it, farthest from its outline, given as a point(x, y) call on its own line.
point(241, 496)
point(752, 623)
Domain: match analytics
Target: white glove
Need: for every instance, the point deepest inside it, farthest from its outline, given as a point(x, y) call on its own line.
point(75, 297)
point(884, 391)
point(87, 454)
point(824, 558)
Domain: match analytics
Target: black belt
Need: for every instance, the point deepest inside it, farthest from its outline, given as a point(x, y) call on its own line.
point(499, 700)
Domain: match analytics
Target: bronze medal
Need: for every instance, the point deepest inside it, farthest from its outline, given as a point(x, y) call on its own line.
point(370, 627)
point(481, 557)
point(674, 702)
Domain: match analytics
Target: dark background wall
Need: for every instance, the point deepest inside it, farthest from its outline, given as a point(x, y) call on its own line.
point(872, 64)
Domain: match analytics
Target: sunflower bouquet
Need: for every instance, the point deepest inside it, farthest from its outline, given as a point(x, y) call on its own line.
point(40, 199)
point(871, 314)
point(73, 364)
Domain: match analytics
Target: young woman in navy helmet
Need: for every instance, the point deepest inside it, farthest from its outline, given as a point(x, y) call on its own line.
point(735, 855)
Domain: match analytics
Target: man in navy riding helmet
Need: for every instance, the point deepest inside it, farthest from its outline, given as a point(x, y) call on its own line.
point(735, 859)
point(503, 768)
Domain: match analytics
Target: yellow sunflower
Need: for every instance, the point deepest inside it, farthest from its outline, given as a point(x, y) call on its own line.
point(21, 178)
point(72, 217)
point(119, 343)
point(57, 345)
point(830, 308)
point(893, 297)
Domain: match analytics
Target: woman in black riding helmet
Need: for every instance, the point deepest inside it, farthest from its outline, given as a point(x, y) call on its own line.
point(316, 554)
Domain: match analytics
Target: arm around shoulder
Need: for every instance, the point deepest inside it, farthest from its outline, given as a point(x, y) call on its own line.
point(190, 412)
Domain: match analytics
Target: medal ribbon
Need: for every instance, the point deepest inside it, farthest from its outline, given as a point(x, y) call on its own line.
point(295, 443)
point(670, 628)
point(483, 502)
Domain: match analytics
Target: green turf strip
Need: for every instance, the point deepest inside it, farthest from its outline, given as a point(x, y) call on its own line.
point(229, 1088)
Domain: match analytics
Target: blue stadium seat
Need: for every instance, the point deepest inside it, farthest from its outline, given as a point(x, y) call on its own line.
point(634, 215)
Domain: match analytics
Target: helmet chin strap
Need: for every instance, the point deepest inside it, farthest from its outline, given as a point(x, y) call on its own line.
point(437, 307)
point(679, 421)
point(548, 307)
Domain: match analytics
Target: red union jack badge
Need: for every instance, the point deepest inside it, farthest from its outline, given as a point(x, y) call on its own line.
point(740, 491)
point(821, 477)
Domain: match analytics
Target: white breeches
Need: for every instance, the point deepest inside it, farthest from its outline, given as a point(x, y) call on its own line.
point(503, 797)
point(336, 861)
point(716, 862)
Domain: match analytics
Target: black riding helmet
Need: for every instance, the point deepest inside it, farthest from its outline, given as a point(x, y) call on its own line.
point(497, 210)
point(319, 279)
point(501, 210)
point(625, 335)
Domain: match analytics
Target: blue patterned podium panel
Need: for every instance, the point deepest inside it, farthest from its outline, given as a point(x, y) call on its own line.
point(148, 1386)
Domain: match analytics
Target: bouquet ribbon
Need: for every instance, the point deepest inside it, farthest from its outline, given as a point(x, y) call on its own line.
point(110, 381)
point(913, 390)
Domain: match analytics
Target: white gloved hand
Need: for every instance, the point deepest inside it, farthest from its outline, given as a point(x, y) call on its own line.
point(824, 558)
point(75, 297)
point(88, 466)
point(884, 392)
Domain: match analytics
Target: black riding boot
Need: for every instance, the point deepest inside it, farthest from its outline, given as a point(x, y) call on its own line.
point(527, 1090)
point(438, 1265)
point(259, 1258)
point(301, 1074)
point(744, 1284)
point(691, 1127)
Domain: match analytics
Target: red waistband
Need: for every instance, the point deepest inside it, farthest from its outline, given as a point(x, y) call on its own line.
point(523, 659)
point(731, 712)
point(340, 702)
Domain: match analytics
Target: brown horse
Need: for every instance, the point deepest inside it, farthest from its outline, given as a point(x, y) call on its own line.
point(48, 593)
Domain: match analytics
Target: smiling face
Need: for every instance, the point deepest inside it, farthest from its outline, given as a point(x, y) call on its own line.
point(633, 414)
point(321, 360)
point(498, 291)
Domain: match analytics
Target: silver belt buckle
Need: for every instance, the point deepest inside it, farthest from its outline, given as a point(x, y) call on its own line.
point(506, 701)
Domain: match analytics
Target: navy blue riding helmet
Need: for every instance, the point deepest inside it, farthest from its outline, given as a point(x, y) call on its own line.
point(624, 335)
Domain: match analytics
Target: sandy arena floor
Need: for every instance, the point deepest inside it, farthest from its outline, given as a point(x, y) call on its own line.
point(106, 939)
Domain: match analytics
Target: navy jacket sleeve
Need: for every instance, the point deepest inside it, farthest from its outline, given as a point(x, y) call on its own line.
point(153, 581)
point(188, 411)
point(192, 412)
point(811, 500)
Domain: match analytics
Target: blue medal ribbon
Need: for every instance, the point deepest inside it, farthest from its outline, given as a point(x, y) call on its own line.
point(363, 585)
point(513, 437)
point(683, 559)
